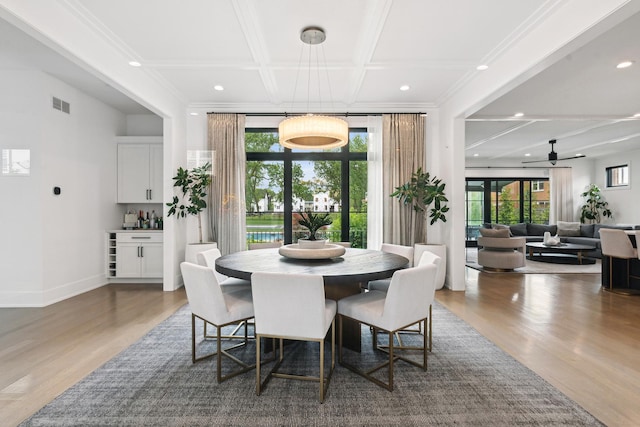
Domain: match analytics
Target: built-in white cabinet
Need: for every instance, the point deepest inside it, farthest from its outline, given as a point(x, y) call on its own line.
point(134, 254)
point(139, 172)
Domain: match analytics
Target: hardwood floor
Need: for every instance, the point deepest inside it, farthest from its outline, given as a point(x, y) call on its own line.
point(584, 341)
point(44, 351)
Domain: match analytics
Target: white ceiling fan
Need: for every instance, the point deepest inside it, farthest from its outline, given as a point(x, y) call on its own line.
point(553, 156)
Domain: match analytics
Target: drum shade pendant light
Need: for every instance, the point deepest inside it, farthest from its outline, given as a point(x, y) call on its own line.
point(313, 132)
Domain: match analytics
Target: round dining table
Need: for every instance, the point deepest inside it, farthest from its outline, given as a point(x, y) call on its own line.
point(343, 276)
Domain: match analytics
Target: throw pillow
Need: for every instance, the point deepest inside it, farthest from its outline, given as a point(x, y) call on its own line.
point(492, 232)
point(586, 230)
point(518, 229)
point(568, 228)
point(502, 227)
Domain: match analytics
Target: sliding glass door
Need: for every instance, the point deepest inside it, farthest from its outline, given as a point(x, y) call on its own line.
point(504, 201)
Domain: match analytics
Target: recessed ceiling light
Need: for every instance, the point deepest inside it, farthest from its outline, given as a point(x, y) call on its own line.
point(527, 154)
point(636, 115)
point(135, 64)
point(476, 155)
point(518, 115)
point(193, 113)
point(404, 87)
point(579, 155)
point(482, 67)
point(218, 87)
point(624, 64)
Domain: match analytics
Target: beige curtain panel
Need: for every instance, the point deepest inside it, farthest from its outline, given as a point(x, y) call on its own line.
point(403, 141)
point(561, 195)
point(226, 199)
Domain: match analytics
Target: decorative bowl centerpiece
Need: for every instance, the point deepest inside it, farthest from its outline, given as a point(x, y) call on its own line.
point(311, 244)
point(296, 252)
point(312, 248)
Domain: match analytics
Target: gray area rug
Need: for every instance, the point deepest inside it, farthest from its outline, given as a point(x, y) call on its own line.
point(536, 267)
point(470, 382)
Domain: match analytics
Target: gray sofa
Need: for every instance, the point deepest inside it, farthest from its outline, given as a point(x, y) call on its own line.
point(589, 234)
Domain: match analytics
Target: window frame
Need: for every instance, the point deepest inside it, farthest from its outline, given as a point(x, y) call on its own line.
point(609, 172)
point(288, 157)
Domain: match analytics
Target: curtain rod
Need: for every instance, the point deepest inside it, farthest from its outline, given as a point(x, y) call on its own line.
point(319, 114)
point(518, 167)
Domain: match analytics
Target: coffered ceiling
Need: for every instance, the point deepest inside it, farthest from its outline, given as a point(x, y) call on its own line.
point(252, 49)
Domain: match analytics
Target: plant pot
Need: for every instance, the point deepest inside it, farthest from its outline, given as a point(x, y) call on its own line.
point(192, 249)
point(311, 244)
point(441, 251)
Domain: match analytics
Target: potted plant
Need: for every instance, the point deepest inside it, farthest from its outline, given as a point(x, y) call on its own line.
point(594, 207)
point(313, 222)
point(193, 185)
point(421, 192)
point(425, 192)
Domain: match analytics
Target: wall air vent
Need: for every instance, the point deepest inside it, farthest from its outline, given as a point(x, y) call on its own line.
point(59, 104)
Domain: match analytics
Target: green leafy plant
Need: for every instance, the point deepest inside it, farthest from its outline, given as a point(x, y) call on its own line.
point(193, 184)
point(594, 207)
point(424, 192)
point(313, 222)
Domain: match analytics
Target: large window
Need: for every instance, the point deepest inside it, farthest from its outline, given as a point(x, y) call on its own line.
point(505, 201)
point(282, 182)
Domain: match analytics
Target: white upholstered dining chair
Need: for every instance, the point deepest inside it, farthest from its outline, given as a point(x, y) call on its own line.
point(616, 244)
point(293, 307)
point(208, 258)
point(212, 305)
point(404, 251)
point(383, 285)
point(405, 303)
point(228, 284)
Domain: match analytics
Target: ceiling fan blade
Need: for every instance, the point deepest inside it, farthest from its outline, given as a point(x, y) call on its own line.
point(578, 156)
point(557, 160)
point(552, 157)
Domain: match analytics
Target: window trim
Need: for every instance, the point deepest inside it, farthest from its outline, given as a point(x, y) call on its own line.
point(608, 172)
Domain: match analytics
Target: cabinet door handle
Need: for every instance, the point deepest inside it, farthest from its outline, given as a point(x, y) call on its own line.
point(150, 195)
point(140, 237)
point(141, 251)
point(138, 251)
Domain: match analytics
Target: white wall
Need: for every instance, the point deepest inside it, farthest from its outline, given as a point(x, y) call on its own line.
point(623, 202)
point(144, 125)
point(52, 247)
point(20, 199)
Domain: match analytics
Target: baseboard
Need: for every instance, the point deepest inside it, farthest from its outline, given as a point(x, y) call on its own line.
point(51, 296)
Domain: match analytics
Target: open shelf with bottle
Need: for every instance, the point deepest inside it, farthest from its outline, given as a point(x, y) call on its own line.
point(111, 254)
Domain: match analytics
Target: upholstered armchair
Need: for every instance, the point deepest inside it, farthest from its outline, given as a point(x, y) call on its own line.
point(501, 253)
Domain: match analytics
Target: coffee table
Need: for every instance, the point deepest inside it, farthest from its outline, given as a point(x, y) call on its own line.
point(563, 248)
